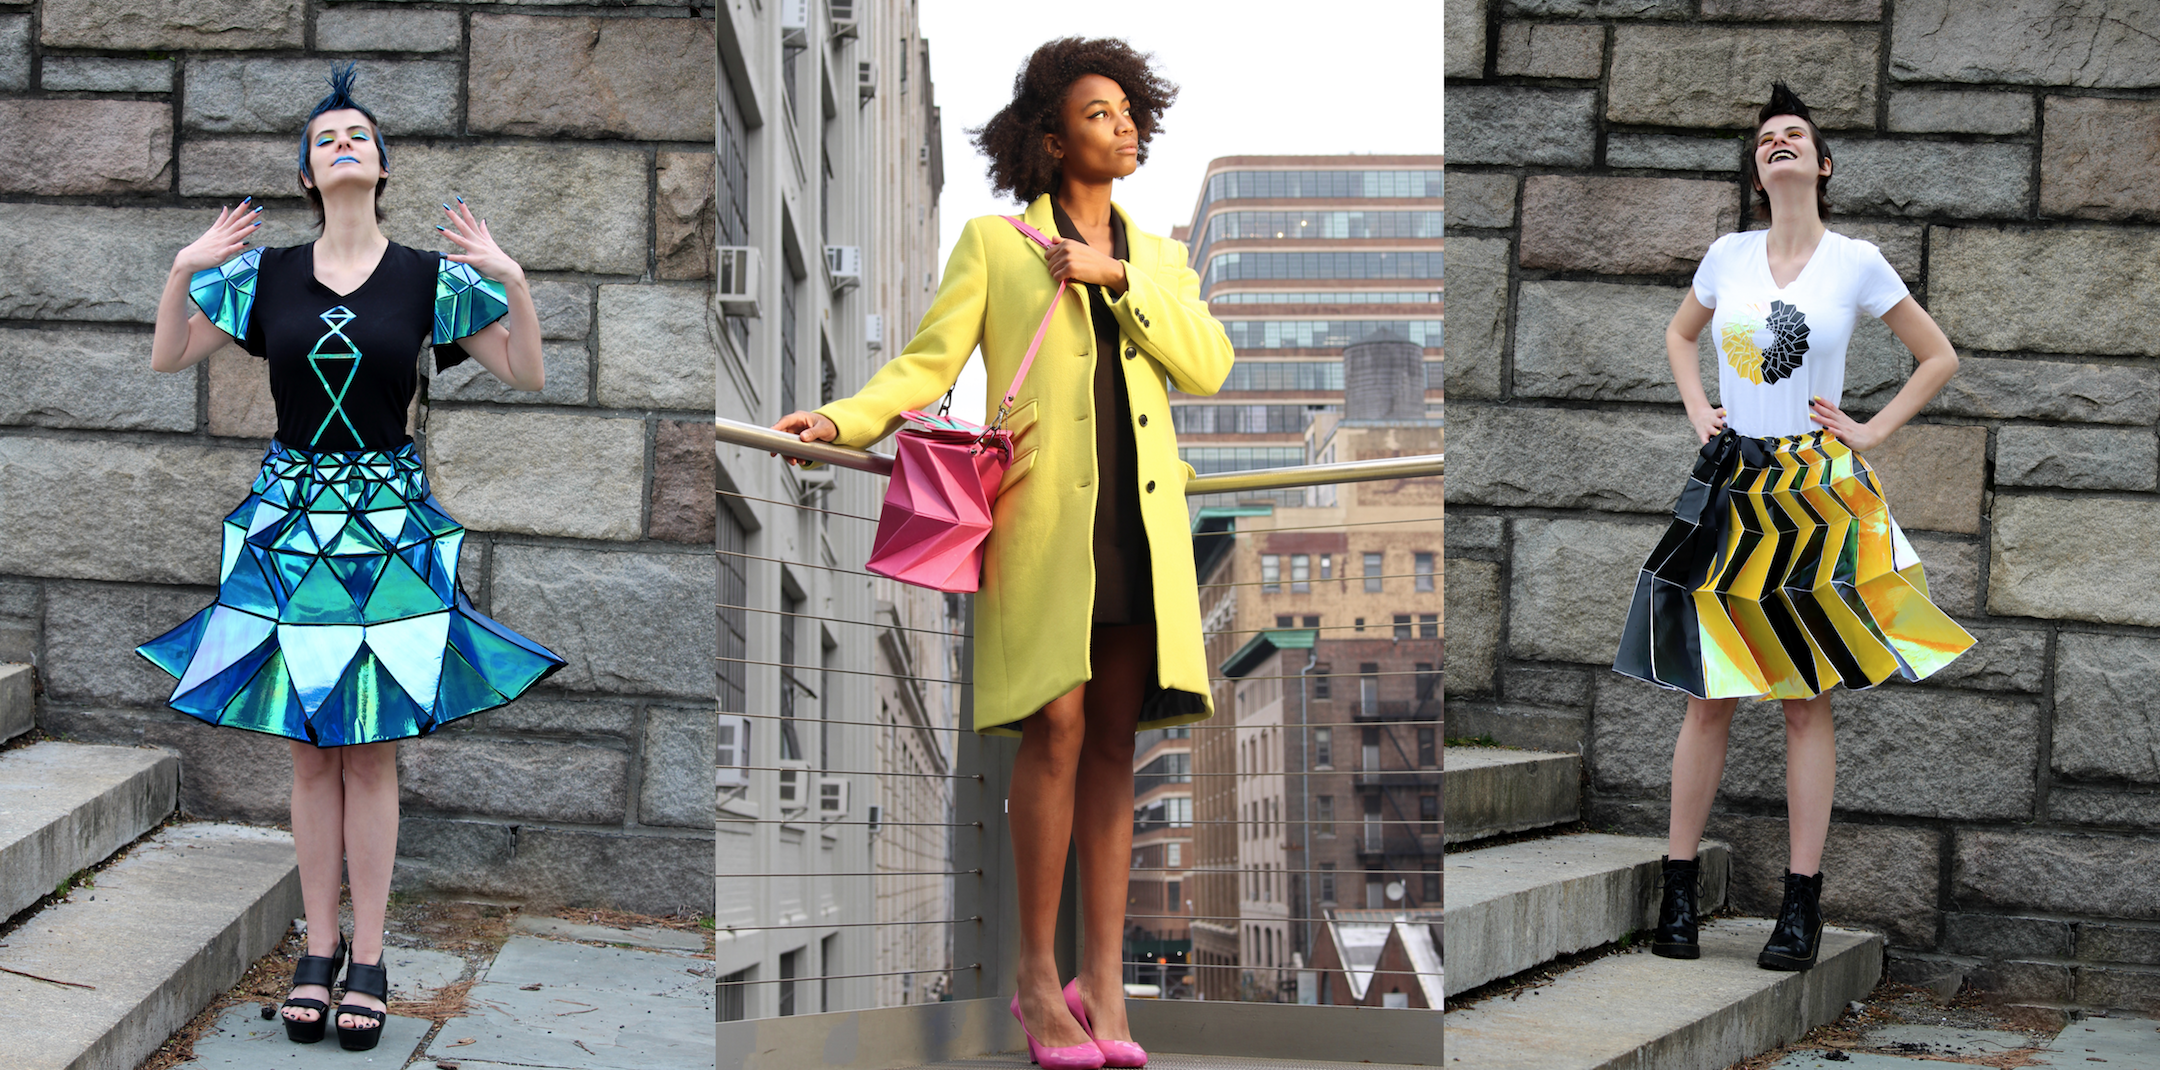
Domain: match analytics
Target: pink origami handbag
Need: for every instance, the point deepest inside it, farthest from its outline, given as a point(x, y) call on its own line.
point(945, 480)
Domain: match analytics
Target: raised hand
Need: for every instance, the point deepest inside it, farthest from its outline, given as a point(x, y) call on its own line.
point(480, 250)
point(223, 241)
point(1072, 260)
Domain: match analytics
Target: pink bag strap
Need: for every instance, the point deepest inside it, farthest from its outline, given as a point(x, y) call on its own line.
point(1012, 392)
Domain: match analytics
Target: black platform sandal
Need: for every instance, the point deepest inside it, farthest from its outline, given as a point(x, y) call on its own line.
point(367, 980)
point(1796, 942)
point(313, 970)
point(1678, 917)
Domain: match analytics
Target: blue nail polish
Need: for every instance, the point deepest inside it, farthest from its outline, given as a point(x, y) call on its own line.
point(444, 231)
point(460, 200)
point(446, 208)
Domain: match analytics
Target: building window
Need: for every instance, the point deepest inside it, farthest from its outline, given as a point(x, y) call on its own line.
point(1327, 566)
point(828, 964)
point(1430, 894)
point(1270, 574)
point(1369, 688)
point(1324, 814)
point(1422, 568)
point(1374, 830)
point(1300, 574)
point(1369, 750)
point(787, 345)
point(1428, 625)
point(1375, 889)
point(1320, 688)
point(790, 743)
point(734, 593)
point(1309, 622)
point(1175, 852)
point(1284, 620)
point(1361, 624)
point(732, 989)
point(1327, 882)
point(1323, 741)
point(1428, 756)
point(1428, 682)
point(1372, 572)
point(790, 962)
point(1175, 897)
point(1402, 625)
point(1428, 814)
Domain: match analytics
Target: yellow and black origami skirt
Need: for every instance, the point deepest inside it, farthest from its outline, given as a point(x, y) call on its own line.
point(339, 617)
point(1781, 576)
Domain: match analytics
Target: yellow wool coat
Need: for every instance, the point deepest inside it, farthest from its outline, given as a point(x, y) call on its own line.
point(1033, 617)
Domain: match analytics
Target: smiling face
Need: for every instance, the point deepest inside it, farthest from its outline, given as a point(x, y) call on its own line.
point(1787, 145)
point(1099, 140)
point(343, 149)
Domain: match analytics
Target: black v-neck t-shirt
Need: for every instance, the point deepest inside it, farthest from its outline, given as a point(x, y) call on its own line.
point(344, 367)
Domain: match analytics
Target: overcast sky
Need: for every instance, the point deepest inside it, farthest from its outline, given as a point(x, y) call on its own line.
point(1262, 77)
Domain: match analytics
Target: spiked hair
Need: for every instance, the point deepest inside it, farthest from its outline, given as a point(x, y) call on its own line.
point(1783, 101)
point(340, 98)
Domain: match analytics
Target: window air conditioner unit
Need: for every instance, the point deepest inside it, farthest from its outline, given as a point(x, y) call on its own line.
point(865, 80)
point(832, 799)
point(794, 22)
point(738, 280)
point(731, 767)
point(844, 264)
point(874, 331)
point(794, 786)
point(843, 18)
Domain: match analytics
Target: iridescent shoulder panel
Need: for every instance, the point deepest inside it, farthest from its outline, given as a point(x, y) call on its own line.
point(226, 292)
point(465, 301)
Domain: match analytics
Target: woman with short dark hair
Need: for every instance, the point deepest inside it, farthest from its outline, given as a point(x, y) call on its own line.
point(1088, 621)
point(339, 622)
point(1783, 574)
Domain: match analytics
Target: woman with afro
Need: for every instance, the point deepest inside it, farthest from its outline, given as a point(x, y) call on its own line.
point(1783, 574)
point(1088, 621)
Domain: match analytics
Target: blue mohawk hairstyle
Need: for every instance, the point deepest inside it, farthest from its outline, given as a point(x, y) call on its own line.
point(341, 83)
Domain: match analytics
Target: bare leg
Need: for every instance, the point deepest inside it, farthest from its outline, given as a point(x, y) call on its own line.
point(318, 820)
point(1040, 810)
point(1810, 779)
point(1103, 816)
point(371, 827)
point(1698, 764)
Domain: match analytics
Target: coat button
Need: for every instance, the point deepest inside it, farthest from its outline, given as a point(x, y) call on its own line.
point(1151, 486)
point(1143, 419)
point(1131, 351)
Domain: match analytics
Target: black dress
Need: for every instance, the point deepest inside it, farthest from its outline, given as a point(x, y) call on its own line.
point(1123, 588)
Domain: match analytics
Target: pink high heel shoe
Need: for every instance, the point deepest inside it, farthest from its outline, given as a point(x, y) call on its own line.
point(1123, 1053)
point(1077, 1057)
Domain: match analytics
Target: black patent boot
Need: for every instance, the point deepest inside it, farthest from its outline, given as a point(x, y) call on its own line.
point(1678, 916)
point(1797, 939)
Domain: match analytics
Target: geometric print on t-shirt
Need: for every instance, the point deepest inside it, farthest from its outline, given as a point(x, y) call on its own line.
point(1765, 349)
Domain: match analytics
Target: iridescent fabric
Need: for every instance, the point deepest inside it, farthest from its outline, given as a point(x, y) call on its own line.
point(227, 291)
point(465, 301)
point(1781, 576)
point(339, 618)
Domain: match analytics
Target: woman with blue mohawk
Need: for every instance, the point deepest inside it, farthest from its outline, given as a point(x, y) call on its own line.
point(339, 622)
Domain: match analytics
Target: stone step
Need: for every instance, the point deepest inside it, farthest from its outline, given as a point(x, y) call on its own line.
point(1491, 791)
point(1635, 1011)
point(68, 806)
point(1517, 905)
point(164, 931)
point(18, 701)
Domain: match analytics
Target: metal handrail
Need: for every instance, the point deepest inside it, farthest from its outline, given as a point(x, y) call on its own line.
point(1304, 475)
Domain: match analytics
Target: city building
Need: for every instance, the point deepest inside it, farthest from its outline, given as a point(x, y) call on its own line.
point(1324, 617)
point(1158, 933)
point(1299, 256)
point(837, 706)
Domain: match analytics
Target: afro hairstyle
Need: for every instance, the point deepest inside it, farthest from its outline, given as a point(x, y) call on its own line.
point(1013, 138)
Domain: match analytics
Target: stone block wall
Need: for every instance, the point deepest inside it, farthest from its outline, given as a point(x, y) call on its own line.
point(1996, 819)
point(584, 135)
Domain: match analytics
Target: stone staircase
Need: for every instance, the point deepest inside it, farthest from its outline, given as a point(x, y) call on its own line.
point(1521, 903)
point(98, 979)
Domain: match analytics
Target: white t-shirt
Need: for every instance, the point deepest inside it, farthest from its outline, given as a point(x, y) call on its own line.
point(1780, 348)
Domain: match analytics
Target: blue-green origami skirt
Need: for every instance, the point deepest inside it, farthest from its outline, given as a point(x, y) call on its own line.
point(339, 619)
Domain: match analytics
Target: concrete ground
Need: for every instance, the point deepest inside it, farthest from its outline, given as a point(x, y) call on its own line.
point(548, 998)
point(2113, 1043)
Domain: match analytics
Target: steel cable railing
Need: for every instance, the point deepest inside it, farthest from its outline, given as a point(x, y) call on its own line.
point(1383, 848)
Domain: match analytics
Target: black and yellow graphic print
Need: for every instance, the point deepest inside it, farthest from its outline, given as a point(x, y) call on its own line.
point(1765, 349)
